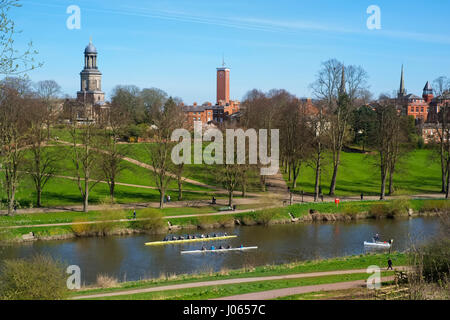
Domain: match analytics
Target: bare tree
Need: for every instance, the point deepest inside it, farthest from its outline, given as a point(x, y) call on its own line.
point(48, 91)
point(110, 161)
point(43, 164)
point(165, 120)
point(13, 62)
point(13, 130)
point(319, 126)
point(340, 87)
point(85, 157)
point(441, 87)
point(295, 137)
point(390, 134)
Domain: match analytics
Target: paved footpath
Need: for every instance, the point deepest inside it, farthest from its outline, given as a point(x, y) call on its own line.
point(278, 293)
point(229, 281)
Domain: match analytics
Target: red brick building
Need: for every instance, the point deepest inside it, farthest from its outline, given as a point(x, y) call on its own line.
point(413, 105)
point(426, 109)
point(224, 107)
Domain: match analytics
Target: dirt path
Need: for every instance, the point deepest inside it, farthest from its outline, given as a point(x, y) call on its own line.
point(277, 185)
point(229, 281)
point(272, 294)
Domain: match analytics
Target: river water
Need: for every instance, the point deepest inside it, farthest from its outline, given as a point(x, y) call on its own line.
point(127, 258)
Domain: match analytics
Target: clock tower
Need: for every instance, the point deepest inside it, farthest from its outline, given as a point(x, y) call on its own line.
point(223, 85)
point(91, 79)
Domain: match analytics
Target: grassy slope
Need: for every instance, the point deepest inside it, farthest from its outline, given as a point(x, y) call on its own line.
point(343, 263)
point(212, 292)
point(416, 173)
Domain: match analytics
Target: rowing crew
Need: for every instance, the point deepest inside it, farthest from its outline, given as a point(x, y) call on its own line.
point(219, 248)
point(189, 237)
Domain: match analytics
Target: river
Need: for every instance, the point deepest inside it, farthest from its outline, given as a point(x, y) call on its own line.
point(127, 258)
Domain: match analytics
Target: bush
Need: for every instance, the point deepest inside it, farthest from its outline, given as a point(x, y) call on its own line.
point(436, 206)
point(153, 222)
point(398, 207)
point(105, 281)
point(80, 228)
point(39, 278)
point(265, 216)
point(436, 260)
point(378, 210)
point(390, 210)
point(350, 211)
point(205, 222)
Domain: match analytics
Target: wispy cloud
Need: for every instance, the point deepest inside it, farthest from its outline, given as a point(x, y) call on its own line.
point(256, 23)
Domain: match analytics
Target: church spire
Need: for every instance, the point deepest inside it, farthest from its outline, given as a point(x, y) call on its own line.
point(402, 91)
point(342, 87)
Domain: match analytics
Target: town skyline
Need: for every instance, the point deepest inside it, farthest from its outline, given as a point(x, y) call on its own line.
point(189, 71)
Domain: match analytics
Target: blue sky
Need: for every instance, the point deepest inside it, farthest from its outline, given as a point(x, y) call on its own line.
point(175, 45)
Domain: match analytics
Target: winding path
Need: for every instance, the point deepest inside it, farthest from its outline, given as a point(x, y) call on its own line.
point(262, 295)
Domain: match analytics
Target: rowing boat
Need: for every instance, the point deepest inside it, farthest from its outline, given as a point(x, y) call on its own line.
point(220, 250)
point(377, 244)
point(156, 243)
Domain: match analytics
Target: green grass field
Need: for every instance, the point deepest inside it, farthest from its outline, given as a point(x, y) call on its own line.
point(418, 172)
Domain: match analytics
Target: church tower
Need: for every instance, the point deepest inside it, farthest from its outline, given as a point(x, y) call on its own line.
point(91, 78)
point(342, 87)
point(427, 93)
point(402, 91)
point(223, 85)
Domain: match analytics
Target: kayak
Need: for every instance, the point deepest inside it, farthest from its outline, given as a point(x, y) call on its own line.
point(220, 250)
point(155, 243)
point(377, 244)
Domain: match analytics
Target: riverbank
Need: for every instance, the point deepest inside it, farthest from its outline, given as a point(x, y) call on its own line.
point(61, 226)
point(249, 279)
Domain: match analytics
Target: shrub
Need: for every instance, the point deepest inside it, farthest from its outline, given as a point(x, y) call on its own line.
point(226, 221)
point(436, 260)
point(350, 211)
point(153, 222)
point(105, 281)
point(205, 222)
point(80, 228)
point(378, 210)
point(265, 216)
point(390, 210)
point(436, 206)
point(39, 278)
point(398, 207)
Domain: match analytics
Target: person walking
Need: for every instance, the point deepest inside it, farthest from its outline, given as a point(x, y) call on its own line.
point(134, 214)
point(390, 264)
point(362, 196)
